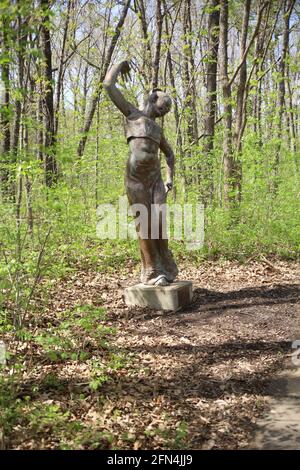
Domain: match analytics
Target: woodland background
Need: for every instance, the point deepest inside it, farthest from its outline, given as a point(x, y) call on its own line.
point(233, 71)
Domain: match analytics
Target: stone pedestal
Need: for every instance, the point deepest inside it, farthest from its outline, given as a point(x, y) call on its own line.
point(172, 297)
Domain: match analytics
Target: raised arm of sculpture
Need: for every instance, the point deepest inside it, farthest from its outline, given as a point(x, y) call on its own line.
point(110, 85)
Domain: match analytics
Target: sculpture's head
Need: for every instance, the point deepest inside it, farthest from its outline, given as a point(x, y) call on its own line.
point(159, 103)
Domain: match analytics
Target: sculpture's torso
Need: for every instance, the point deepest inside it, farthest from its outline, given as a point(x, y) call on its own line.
point(143, 136)
point(139, 125)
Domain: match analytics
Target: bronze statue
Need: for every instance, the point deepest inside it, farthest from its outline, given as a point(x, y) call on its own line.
point(143, 181)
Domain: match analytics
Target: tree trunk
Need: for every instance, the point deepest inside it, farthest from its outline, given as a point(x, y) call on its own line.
point(51, 171)
point(5, 110)
point(61, 66)
point(179, 143)
point(287, 10)
point(211, 98)
point(291, 114)
point(189, 77)
point(242, 78)
point(18, 103)
point(97, 92)
point(257, 98)
point(241, 96)
point(228, 162)
point(159, 22)
point(147, 55)
point(40, 129)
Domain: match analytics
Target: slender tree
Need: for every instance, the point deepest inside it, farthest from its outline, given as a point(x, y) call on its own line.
point(5, 102)
point(189, 77)
point(147, 53)
point(287, 11)
point(228, 161)
point(156, 61)
point(61, 68)
point(98, 89)
point(51, 170)
point(240, 119)
point(211, 95)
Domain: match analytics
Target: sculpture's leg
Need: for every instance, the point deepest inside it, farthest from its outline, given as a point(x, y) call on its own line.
point(166, 258)
point(158, 266)
point(138, 193)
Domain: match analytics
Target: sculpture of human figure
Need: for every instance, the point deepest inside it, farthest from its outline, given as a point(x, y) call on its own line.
point(143, 180)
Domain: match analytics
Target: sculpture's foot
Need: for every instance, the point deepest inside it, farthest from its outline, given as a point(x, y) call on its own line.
point(160, 280)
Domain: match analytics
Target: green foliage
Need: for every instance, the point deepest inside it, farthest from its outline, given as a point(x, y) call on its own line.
point(47, 417)
point(48, 234)
point(80, 337)
point(69, 339)
point(174, 438)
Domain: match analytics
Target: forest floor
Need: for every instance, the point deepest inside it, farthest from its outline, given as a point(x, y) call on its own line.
point(197, 379)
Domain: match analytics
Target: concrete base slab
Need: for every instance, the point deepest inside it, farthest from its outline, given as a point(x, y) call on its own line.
point(172, 297)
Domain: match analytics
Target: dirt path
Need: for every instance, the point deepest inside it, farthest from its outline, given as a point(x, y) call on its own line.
point(279, 429)
point(206, 369)
point(198, 378)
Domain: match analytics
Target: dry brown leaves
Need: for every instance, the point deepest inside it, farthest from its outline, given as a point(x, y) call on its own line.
point(197, 378)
